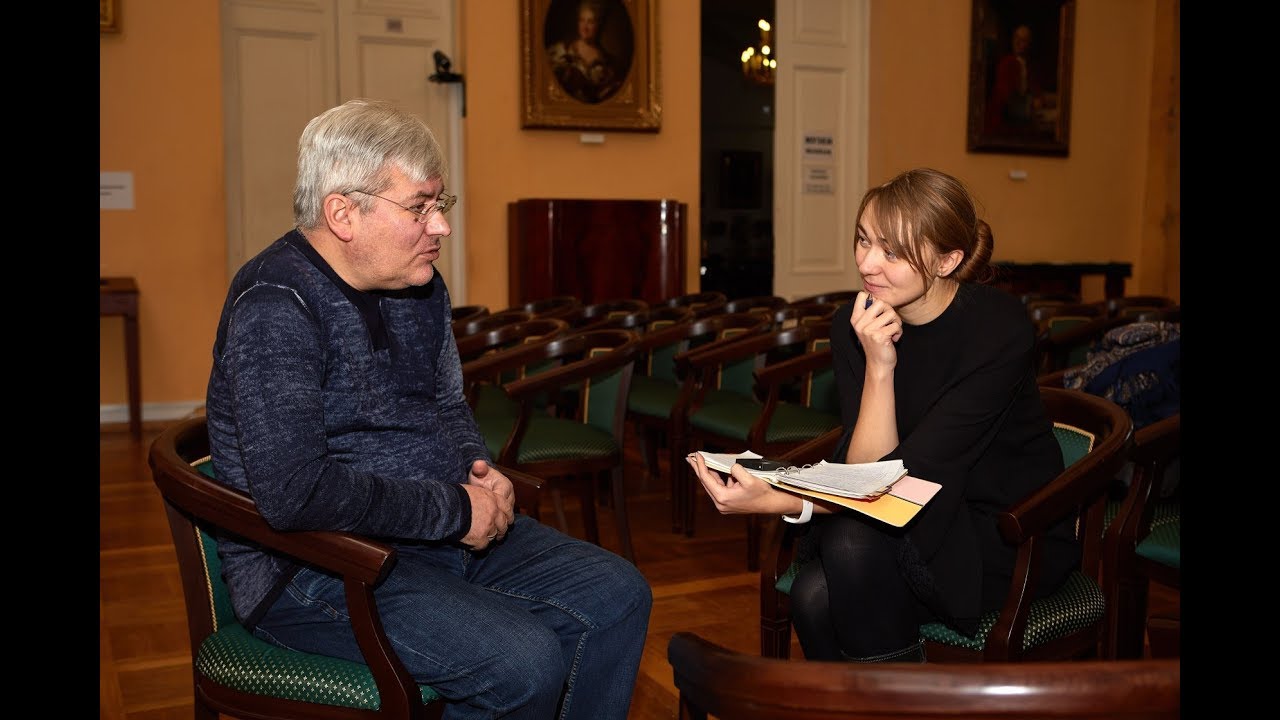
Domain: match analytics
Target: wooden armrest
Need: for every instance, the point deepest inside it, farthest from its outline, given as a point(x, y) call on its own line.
point(528, 487)
point(780, 373)
point(553, 379)
point(346, 554)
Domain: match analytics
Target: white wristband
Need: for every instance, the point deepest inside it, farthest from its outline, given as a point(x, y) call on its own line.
point(806, 513)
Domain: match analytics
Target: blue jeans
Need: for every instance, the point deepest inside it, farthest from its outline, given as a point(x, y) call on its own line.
point(541, 625)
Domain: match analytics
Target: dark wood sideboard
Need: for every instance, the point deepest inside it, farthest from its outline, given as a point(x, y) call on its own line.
point(1046, 277)
point(595, 250)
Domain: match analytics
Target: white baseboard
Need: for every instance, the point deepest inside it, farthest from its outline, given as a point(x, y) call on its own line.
point(150, 411)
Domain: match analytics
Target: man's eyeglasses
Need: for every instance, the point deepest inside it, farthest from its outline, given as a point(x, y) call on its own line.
point(423, 211)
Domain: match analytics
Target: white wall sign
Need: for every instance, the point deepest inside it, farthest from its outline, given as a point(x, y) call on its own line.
point(818, 180)
point(115, 191)
point(819, 147)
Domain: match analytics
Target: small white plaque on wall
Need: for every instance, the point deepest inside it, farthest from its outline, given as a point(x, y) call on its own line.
point(819, 180)
point(115, 191)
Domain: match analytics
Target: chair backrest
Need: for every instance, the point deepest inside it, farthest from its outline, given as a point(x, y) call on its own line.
point(702, 303)
point(557, 306)
point(757, 303)
point(835, 297)
point(502, 337)
point(588, 315)
point(596, 362)
point(1125, 304)
point(463, 313)
point(802, 313)
point(713, 679)
point(489, 322)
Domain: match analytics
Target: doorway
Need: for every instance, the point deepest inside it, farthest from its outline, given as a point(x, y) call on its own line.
point(736, 187)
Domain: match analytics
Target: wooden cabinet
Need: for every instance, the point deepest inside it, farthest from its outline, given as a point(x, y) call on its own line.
point(595, 250)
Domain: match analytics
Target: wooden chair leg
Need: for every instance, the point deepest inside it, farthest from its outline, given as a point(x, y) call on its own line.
point(1164, 634)
point(587, 493)
point(753, 543)
point(558, 502)
point(621, 519)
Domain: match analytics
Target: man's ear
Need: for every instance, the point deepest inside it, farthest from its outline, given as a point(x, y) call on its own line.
point(339, 215)
point(949, 262)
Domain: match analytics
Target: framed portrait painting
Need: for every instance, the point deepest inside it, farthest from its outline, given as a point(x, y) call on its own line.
point(590, 65)
point(108, 16)
point(1020, 76)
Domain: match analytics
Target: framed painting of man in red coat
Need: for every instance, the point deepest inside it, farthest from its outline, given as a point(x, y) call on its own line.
point(1020, 76)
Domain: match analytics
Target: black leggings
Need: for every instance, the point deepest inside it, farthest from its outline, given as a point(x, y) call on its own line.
point(852, 601)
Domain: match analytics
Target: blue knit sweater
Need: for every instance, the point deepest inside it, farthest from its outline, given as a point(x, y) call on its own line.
point(336, 410)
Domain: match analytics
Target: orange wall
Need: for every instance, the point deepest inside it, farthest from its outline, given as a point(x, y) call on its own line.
point(160, 117)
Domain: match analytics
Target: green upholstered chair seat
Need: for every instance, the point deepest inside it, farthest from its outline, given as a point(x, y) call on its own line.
point(1077, 604)
point(236, 659)
point(652, 397)
point(1164, 544)
point(728, 414)
point(548, 438)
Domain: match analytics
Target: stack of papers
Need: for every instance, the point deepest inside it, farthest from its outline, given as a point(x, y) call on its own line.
point(860, 481)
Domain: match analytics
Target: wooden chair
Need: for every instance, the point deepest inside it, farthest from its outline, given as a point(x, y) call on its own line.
point(508, 335)
point(1147, 547)
point(488, 322)
point(463, 313)
point(564, 419)
point(801, 313)
point(719, 409)
point(756, 303)
point(232, 671)
point(643, 321)
point(557, 306)
point(712, 679)
point(586, 315)
point(1129, 304)
point(836, 297)
point(1095, 436)
point(702, 303)
point(656, 386)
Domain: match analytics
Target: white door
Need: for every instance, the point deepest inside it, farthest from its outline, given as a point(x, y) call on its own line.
point(286, 61)
point(819, 147)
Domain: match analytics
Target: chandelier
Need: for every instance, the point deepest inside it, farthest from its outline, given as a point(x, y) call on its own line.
point(758, 63)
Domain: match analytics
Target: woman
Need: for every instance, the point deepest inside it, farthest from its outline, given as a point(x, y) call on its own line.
point(582, 65)
point(936, 369)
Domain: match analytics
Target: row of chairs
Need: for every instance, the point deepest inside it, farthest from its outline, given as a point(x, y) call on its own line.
point(235, 673)
point(228, 663)
point(678, 357)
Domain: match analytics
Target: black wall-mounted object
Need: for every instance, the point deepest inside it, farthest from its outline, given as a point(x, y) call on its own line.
point(444, 74)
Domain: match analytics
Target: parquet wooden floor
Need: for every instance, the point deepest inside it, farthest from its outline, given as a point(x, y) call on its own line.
point(699, 584)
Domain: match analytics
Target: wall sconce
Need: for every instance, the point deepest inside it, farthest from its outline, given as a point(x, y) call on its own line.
point(758, 62)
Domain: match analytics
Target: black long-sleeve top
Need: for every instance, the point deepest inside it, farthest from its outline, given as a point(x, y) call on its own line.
point(969, 418)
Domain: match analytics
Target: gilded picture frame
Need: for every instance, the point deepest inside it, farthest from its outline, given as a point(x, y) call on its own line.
point(590, 65)
point(1020, 76)
point(109, 16)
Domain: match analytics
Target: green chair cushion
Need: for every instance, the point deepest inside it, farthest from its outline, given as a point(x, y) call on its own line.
point(548, 438)
point(652, 397)
point(1077, 604)
point(728, 414)
point(1164, 544)
point(234, 658)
